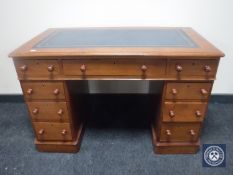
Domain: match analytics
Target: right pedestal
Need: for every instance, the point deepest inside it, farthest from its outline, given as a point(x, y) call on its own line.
point(177, 128)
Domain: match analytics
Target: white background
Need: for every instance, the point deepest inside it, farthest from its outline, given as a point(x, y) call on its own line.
point(20, 20)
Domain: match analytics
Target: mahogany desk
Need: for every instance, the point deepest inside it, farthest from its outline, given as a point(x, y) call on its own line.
point(181, 58)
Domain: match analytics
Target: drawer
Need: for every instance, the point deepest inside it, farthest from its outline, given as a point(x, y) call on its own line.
point(188, 91)
point(27, 69)
point(184, 111)
point(205, 69)
point(48, 111)
point(52, 131)
point(138, 68)
point(43, 90)
point(180, 132)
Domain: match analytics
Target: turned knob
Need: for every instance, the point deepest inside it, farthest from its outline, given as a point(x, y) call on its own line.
point(174, 91)
point(56, 92)
point(179, 68)
point(204, 92)
point(171, 113)
point(41, 132)
point(168, 132)
point(192, 132)
point(207, 68)
point(60, 112)
point(198, 113)
point(23, 68)
point(63, 132)
point(83, 68)
point(144, 68)
point(35, 111)
point(50, 68)
point(29, 91)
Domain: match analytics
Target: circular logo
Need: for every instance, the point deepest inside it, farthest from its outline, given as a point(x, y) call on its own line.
point(214, 155)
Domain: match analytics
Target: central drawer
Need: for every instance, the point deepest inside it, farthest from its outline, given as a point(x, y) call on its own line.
point(146, 68)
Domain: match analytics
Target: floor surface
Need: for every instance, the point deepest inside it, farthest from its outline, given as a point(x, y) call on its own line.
point(112, 144)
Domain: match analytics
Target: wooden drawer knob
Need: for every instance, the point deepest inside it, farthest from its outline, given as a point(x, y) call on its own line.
point(56, 92)
point(174, 91)
point(50, 68)
point(144, 68)
point(204, 92)
point(35, 111)
point(168, 132)
point(41, 132)
point(171, 113)
point(207, 68)
point(179, 68)
point(63, 132)
point(60, 112)
point(29, 91)
point(83, 68)
point(23, 68)
point(198, 113)
point(192, 132)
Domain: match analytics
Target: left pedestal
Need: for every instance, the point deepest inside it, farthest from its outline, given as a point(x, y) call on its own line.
point(57, 127)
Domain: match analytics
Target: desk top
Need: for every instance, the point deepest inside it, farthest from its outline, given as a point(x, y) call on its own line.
point(117, 42)
point(97, 38)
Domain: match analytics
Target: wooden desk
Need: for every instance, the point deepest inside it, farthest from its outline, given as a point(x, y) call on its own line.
point(180, 57)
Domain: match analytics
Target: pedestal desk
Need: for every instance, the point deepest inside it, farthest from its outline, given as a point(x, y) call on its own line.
point(180, 57)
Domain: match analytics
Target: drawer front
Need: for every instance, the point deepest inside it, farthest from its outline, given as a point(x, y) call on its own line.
point(48, 111)
point(27, 69)
point(184, 111)
point(186, 91)
point(52, 131)
point(43, 90)
point(180, 132)
point(205, 69)
point(138, 68)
